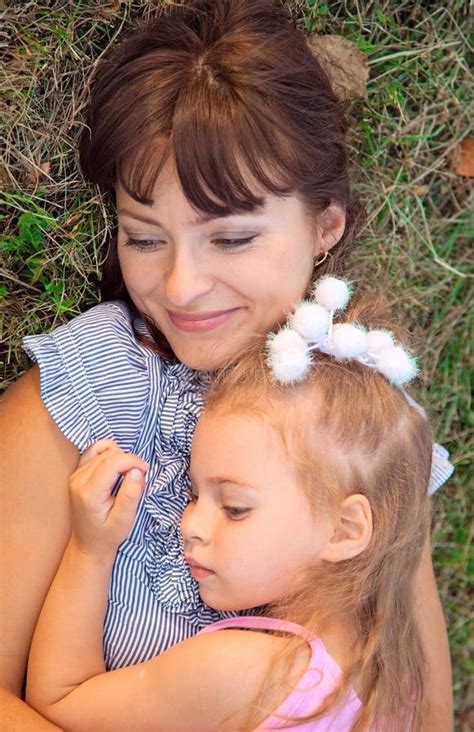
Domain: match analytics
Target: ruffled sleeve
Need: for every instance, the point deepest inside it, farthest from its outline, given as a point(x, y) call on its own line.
point(94, 377)
point(441, 468)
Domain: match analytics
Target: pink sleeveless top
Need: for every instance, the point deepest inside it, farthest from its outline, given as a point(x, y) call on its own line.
point(320, 678)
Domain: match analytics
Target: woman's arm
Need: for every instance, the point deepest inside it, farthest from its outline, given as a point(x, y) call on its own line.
point(36, 462)
point(433, 631)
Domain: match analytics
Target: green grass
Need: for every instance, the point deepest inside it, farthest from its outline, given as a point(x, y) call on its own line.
point(415, 245)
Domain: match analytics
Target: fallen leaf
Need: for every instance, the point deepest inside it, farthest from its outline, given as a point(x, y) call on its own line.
point(110, 8)
point(420, 190)
point(463, 158)
point(5, 180)
point(35, 172)
point(344, 63)
point(467, 719)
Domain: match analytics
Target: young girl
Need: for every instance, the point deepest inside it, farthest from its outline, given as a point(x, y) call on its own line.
point(309, 498)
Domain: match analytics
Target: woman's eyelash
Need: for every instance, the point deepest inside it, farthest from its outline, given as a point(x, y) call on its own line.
point(222, 243)
point(235, 243)
point(142, 243)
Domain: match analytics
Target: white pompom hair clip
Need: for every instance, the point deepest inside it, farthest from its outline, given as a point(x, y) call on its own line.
point(310, 327)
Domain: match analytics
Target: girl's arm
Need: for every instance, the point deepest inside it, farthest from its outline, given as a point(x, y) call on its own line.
point(71, 621)
point(433, 630)
point(201, 684)
point(206, 683)
point(36, 462)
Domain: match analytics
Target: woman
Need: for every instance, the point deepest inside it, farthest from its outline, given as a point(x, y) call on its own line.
point(223, 143)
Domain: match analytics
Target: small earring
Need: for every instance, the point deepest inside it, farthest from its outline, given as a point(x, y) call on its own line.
point(322, 259)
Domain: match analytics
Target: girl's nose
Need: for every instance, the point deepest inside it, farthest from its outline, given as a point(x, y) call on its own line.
point(196, 524)
point(187, 279)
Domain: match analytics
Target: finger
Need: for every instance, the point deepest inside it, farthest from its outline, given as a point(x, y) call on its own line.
point(96, 485)
point(86, 470)
point(98, 448)
point(126, 502)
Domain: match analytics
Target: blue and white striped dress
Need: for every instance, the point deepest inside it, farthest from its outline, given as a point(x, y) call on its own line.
point(97, 381)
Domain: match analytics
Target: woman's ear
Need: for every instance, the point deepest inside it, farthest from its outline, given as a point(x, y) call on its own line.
point(352, 529)
point(330, 227)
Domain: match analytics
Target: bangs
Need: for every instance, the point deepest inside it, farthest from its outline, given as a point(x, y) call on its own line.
point(228, 153)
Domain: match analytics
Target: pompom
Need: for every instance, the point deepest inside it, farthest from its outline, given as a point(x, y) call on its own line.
point(396, 365)
point(348, 340)
point(310, 320)
point(288, 356)
point(284, 341)
point(332, 293)
point(379, 340)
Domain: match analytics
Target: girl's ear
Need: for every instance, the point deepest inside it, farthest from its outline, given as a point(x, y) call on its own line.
point(352, 529)
point(330, 227)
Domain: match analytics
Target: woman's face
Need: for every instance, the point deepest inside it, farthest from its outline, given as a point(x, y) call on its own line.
point(210, 285)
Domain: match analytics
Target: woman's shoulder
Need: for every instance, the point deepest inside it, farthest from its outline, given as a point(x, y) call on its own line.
point(106, 319)
point(93, 330)
point(94, 375)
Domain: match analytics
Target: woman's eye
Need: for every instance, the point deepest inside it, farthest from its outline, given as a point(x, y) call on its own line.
point(235, 243)
point(144, 244)
point(235, 513)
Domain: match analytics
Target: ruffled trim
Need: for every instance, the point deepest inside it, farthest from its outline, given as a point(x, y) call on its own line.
point(180, 407)
point(94, 379)
point(441, 468)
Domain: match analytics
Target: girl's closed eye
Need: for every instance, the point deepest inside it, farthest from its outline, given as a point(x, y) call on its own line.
point(236, 513)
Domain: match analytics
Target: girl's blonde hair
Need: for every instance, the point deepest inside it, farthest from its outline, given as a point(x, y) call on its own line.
point(349, 431)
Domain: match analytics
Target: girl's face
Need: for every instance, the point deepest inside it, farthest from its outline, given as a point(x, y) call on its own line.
point(249, 528)
point(210, 285)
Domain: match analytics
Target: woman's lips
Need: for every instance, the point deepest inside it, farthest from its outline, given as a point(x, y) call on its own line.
point(197, 570)
point(200, 322)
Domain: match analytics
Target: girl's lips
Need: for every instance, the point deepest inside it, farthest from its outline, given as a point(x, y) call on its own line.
point(200, 322)
point(197, 570)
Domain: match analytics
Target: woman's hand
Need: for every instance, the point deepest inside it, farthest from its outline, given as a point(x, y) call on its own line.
point(100, 520)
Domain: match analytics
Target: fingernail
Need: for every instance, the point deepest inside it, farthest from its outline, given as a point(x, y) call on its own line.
point(136, 474)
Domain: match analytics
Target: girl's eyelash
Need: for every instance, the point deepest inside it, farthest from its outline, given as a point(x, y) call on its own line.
point(235, 513)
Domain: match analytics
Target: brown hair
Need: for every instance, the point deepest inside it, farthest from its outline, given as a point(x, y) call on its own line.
point(348, 430)
point(230, 90)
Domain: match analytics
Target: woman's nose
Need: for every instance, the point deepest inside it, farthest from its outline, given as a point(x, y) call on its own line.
point(187, 278)
point(196, 524)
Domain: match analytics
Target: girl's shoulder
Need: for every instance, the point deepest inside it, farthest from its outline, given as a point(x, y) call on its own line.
point(295, 684)
point(229, 669)
point(94, 375)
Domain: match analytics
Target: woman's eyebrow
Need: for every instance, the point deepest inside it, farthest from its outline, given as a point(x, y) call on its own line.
point(154, 222)
point(195, 222)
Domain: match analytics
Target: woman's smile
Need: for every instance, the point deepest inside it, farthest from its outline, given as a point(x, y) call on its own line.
point(202, 321)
